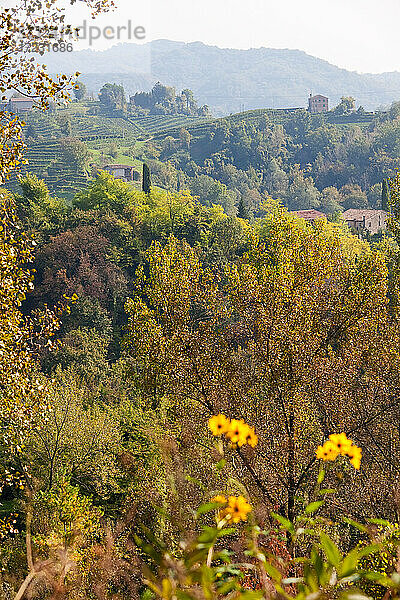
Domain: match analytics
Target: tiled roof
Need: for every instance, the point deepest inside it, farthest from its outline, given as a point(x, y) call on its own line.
point(118, 167)
point(358, 214)
point(308, 215)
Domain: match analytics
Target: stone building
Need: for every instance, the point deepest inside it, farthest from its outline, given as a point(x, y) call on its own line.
point(123, 172)
point(20, 105)
point(318, 104)
point(362, 220)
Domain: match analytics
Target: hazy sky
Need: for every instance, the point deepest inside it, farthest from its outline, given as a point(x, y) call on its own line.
point(361, 35)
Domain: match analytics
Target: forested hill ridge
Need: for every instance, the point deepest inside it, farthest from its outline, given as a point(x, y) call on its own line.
point(331, 162)
point(226, 79)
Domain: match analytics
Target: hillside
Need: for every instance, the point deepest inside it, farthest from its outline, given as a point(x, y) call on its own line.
point(328, 162)
point(48, 162)
point(101, 134)
point(227, 79)
point(305, 160)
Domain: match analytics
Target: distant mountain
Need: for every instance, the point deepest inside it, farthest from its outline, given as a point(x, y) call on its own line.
point(227, 80)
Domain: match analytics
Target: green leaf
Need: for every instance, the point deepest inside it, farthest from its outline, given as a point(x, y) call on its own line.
point(206, 508)
point(332, 552)
point(349, 564)
point(371, 549)
point(286, 524)
point(221, 464)
point(223, 532)
point(318, 565)
point(377, 577)
point(251, 595)
point(353, 594)
point(326, 491)
point(183, 595)
point(321, 476)
point(372, 575)
point(223, 555)
point(355, 524)
point(208, 535)
point(310, 578)
point(313, 507)
point(152, 538)
point(148, 549)
point(196, 482)
point(273, 572)
point(380, 522)
point(226, 587)
point(198, 556)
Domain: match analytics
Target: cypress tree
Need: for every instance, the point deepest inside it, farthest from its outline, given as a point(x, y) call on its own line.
point(242, 211)
point(385, 195)
point(146, 181)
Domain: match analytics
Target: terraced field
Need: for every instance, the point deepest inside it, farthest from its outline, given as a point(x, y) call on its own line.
point(88, 127)
point(127, 134)
point(204, 128)
point(159, 124)
point(48, 162)
point(42, 126)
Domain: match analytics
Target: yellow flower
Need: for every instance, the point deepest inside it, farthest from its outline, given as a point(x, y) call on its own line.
point(246, 435)
point(237, 510)
point(338, 443)
point(328, 451)
point(341, 442)
point(244, 432)
point(219, 499)
point(218, 424)
point(237, 432)
point(355, 453)
point(251, 437)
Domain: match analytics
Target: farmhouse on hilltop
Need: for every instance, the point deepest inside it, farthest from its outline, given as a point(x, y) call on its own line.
point(318, 104)
point(362, 220)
